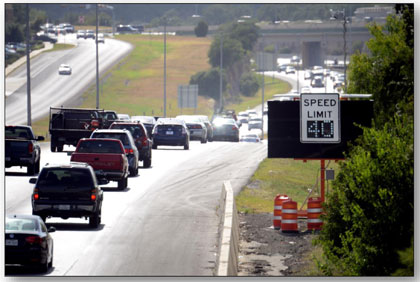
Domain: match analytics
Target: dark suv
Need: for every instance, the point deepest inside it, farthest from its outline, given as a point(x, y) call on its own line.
point(69, 190)
point(142, 141)
point(128, 142)
point(171, 132)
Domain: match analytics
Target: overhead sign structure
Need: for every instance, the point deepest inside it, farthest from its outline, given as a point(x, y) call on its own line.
point(320, 118)
point(187, 96)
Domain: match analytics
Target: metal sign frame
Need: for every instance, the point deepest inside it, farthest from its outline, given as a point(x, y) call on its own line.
point(191, 93)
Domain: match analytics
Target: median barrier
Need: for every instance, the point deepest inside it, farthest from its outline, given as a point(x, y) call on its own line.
point(227, 260)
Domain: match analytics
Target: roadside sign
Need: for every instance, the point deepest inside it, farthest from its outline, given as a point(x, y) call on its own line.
point(266, 61)
point(187, 96)
point(320, 118)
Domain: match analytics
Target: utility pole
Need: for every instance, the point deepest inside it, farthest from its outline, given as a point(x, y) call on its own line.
point(97, 60)
point(221, 75)
point(345, 50)
point(164, 67)
point(28, 67)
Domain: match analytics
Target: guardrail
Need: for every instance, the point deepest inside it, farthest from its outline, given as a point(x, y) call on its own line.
point(227, 262)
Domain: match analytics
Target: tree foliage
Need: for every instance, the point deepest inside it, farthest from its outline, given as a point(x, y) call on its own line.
point(249, 84)
point(388, 73)
point(370, 211)
point(201, 29)
point(208, 83)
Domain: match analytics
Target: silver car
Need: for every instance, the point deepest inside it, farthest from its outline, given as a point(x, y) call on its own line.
point(255, 122)
point(197, 128)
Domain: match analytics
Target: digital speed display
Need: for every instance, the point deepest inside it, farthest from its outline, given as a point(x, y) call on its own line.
point(320, 129)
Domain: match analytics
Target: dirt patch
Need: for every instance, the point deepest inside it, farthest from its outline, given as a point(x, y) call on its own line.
point(264, 251)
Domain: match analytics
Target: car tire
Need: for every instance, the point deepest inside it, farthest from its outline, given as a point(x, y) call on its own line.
point(154, 146)
point(122, 184)
point(203, 141)
point(31, 169)
point(186, 146)
point(147, 162)
point(50, 264)
point(60, 147)
point(95, 219)
point(37, 165)
point(43, 267)
point(53, 146)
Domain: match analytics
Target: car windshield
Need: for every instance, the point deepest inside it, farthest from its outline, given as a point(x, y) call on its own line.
point(121, 136)
point(100, 146)
point(221, 121)
point(13, 132)
point(135, 129)
point(143, 119)
point(21, 224)
point(65, 177)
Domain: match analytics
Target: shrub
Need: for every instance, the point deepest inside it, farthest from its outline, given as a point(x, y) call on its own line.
point(201, 29)
point(248, 84)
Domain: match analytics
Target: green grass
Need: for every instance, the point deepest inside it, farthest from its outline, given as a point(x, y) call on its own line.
point(280, 176)
point(272, 87)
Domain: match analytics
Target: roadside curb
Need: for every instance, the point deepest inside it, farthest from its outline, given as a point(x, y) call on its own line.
point(22, 60)
point(227, 261)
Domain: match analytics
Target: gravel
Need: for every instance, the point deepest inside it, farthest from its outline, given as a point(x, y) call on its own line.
point(264, 251)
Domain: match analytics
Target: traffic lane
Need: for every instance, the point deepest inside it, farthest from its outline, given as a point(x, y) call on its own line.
point(51, 89)
point(164, 223)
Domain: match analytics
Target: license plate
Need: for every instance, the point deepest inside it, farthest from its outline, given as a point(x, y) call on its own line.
point(64, 207)
point(11, 242)
point(61, 139)
point(169, 133)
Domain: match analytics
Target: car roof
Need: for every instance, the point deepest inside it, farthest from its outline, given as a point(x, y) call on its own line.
point(23, 216)
point(170, 121)
point(67, 165)
point(111, 131)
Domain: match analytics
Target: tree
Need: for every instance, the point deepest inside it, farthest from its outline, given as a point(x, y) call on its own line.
point(249, 84)
point(388, 73)
point(370, 212)
point(201, 29)
point(208, 82)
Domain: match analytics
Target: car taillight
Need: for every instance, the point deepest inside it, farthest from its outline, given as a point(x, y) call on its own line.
point(93, 195)
point(34, 240)
point(36, 195)
point(129, 151)
point(94, 123)
point(234, 128)
point(30, 148)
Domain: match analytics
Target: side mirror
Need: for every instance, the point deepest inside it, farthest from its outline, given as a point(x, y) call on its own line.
point(51, 229)
point(32, 180)
point(40, 138)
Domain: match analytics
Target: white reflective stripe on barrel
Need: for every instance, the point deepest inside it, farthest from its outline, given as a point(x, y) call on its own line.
point(314, 220)
point(288, 211)
point(277, 207)
point(314, 210)
point(277, 217)
point(289, 221)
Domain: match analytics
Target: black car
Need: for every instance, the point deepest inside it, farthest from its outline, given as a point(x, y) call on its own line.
point(28, 242)
point(127, 140)
point(141, 139)
point(68, 190)
point(171, 132)
point(44, 37)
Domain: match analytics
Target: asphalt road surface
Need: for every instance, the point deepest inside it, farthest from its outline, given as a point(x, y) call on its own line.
point(164, 224)
point(48, 88)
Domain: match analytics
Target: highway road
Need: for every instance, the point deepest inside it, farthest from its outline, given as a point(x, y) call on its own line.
point(164, 224)
point(48, 88)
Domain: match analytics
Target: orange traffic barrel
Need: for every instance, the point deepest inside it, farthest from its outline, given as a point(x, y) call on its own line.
point(289, 216)
point(278, 200)
point(314, 213)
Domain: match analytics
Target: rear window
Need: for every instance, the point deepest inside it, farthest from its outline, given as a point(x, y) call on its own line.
point(65, 177)
point(13, 132)
point(21, 224)
point(99, 146)
point(80, 115)
point(136, 130)
point(120, 136)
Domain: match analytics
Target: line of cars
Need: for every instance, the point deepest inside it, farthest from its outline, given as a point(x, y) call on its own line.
point(107, 149)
